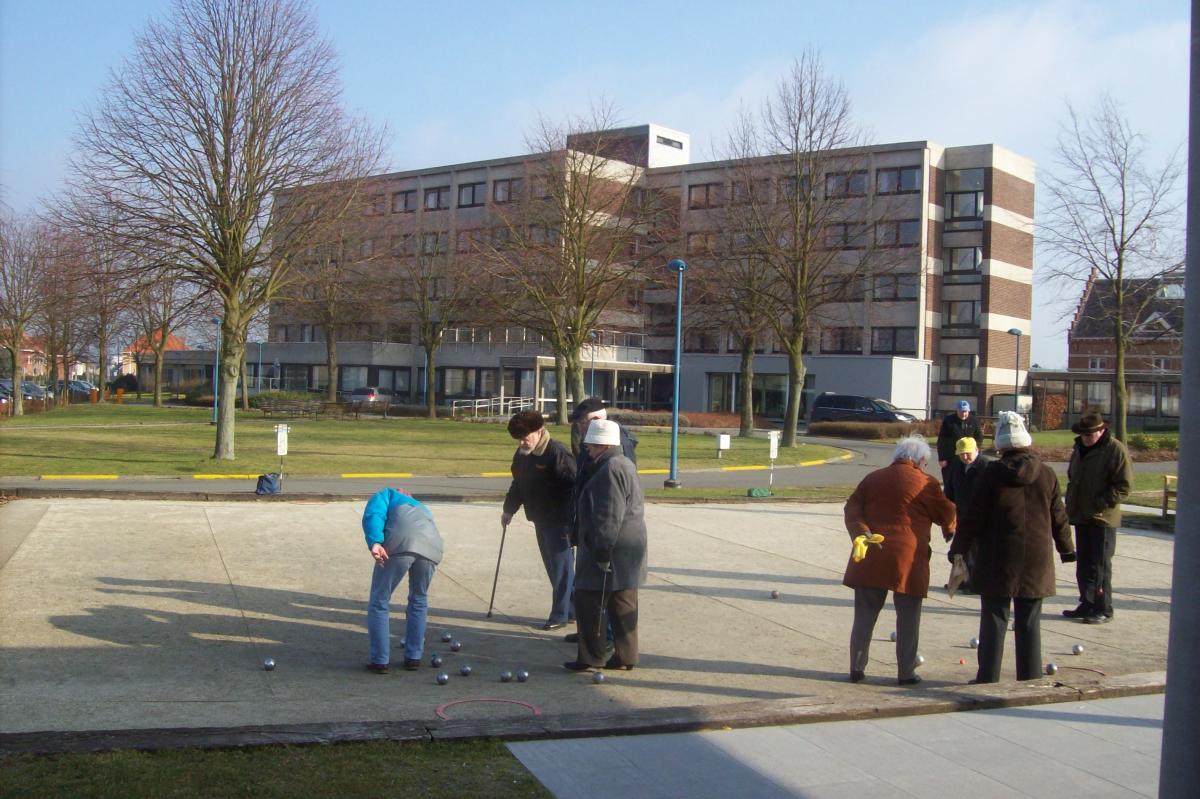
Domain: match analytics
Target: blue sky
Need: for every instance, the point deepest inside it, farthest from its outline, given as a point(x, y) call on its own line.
point(459, 81)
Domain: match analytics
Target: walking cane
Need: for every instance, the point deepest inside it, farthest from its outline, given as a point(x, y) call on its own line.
point(600, 616)
point(492, 601)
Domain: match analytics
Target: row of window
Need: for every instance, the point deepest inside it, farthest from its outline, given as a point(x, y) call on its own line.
point(835, 236)
point(856, 183)
point(833, 341)
point(437, 198)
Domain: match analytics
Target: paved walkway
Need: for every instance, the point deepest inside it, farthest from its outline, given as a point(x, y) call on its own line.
point(1102, 749)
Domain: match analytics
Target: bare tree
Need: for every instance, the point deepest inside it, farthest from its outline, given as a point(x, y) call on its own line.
point(61, 322)
point(224, 107)
point(24, 251)
point(573, 242)
point(105, 279)
point(801, 205)
point(1113, 216)
point(161, 307)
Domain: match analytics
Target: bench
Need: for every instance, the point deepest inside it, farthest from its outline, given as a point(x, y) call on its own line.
point(291, 407)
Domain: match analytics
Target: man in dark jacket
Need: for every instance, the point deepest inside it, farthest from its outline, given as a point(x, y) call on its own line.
point(959, 424)
point(612, 553)
point(544, 482)
point(1017, 521)
point(1099, 477)
point(965, 469)
point(582, 415)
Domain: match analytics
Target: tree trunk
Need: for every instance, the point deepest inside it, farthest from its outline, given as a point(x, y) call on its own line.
point(560, 384)
point(18, 374)
point(430, 382)
point(1121, 399)
point(158, 370)
point(574, 367)
point(232, 354)
point(331, 365)
point(245, 389)
point(795, 387)
point(746, 388)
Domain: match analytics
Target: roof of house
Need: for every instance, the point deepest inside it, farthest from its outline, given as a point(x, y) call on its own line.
point(143, 344)
point(1153, 307)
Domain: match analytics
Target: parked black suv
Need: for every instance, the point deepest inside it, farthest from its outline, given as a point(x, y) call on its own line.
point(830, 407)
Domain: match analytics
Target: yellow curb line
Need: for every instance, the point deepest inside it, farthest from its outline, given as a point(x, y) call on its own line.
point(78, 477)
point(654, 471)
point(224, 476)
point(495, 474)
point(743, 468)
point(377, 474)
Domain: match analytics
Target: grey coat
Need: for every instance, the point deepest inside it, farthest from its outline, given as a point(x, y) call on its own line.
point(612, 525)
point(409, 528)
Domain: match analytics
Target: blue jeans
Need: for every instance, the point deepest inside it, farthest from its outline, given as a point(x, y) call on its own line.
point(554, 543)
point(384, 580)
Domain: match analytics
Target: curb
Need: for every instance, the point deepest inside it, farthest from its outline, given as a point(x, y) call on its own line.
point(762, 713)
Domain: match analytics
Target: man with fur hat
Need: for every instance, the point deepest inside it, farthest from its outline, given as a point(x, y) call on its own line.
point(1099, 478)
point(543, 474)
point(955, 426)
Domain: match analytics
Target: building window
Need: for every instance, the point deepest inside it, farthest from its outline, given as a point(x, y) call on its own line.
point(701, 341)
point(404, 245)
point(842, 340)
point(404, 202)
point(960, 313)
point(1171, 395)
point(663, 140)
point(897, 287)
point(433, 243)
point(1161, 364)
point(1142, 399)
point(846, 184)
point(701, 243)
point(845, 236)
point(894, 340)
point(281, 333)
point(964, 194)
point(472, 195)
point(958, 369)
point(466, 240)
point(900, 233)
point(458, 382)
point(1096, 364)
point(706, 195)
point(506, 190)
point(720, 392)
point(788, 184)
point(898, 180)
point(748, 191)
point(964, 259)
point(1091, 394)
point(375, 205)
point(366, 248)
point(437, 198)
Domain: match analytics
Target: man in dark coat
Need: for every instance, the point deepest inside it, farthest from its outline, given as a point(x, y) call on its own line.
point(544, 482)
point(965, 469)
point(611, 565)
point(956, 425)
point(1017, 521)
point(1099, 478)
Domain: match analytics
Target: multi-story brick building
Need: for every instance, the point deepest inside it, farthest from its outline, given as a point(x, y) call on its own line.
point(925, 332)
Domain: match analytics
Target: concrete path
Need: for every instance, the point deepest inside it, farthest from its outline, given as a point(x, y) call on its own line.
point(131, 615)
point(1104, 748)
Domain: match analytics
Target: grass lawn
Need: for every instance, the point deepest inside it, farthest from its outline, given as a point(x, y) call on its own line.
point(142, 440)
point(381, 769)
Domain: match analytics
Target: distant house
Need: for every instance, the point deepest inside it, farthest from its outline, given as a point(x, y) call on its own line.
point(1153, 321)
point(138, 358)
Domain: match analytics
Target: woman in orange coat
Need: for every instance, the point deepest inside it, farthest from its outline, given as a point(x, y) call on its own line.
point(900, 502)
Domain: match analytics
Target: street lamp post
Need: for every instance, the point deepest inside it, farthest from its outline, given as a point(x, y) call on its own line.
point(216, 320)
point(678, 266)
point(1016, 331)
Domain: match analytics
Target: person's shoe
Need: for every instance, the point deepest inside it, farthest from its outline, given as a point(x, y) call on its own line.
point(554, 625)
point(1099, 618)
point(613, 663)
point(377, 668)
point(857, 676)
point(577, 665)
point(914, 680)
point(1081, 612)
point(571, 638)
point(412, 664)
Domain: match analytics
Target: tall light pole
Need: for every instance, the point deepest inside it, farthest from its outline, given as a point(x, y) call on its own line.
point(216, 320)
point(1016, 331)
point(678, 266)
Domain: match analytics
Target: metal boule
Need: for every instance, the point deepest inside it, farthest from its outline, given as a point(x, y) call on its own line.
point(435, 661)
point(1077, 649)
point(522, 675)
point(598, 677)
point(506, 676)
point(892, 637)
point(447, 637)
point(973, 643)
point(455, 646)
point(269, 664)
point(443, 678)
point(464, 670)
point(1051, 668)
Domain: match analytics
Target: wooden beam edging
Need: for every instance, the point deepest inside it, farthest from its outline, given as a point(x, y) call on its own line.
point(759, 713)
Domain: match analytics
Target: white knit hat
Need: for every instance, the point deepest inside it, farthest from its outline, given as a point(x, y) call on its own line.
point(603, 431)
point(1011, 432)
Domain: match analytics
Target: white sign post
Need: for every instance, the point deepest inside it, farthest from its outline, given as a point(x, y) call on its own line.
point(773, 441)
point(722, 443)
point(281, 442)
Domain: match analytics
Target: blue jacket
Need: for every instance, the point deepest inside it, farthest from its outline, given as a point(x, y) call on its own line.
point(401, 524)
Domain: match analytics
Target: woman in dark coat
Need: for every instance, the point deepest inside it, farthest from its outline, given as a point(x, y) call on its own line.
point(610, 563)
point(1016, 520)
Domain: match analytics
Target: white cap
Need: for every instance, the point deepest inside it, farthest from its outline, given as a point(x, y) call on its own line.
point(603, 431)
point(1011, 432)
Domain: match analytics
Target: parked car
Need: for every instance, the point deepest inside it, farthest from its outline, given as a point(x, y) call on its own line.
point(372, 394)
point(6, 385)
point(830, 407)
point(36, 391)
point(81, 390)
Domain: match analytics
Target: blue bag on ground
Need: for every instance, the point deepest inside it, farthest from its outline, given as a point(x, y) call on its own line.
point(268, 484)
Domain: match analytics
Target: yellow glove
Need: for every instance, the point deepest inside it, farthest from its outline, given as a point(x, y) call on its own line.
point(860, 545)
